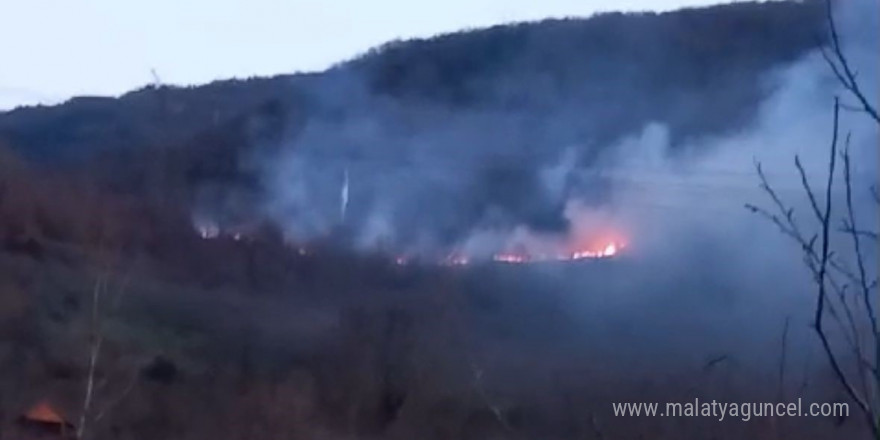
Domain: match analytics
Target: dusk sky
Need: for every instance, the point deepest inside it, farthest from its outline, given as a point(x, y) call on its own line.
point(55, 49)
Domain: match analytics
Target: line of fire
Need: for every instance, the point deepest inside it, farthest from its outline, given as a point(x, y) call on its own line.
point(517, 248)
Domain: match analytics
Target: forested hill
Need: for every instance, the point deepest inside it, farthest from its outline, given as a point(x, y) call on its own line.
point(696, 70)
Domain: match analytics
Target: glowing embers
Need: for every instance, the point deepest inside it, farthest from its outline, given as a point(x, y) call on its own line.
point(607, 251)
point(519, 252)
point(513, 258)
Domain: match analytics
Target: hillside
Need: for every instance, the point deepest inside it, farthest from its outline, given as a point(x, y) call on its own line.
point(196, 233)
point(532, 93)
point(634, 67)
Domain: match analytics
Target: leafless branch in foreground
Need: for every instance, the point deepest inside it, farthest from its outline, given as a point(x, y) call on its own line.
point(821, 262)
point(103, 299)
point(853, 229)
point(841, 68)
point(782, 354)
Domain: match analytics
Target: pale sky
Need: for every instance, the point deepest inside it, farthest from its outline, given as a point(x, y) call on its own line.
point(51, 50)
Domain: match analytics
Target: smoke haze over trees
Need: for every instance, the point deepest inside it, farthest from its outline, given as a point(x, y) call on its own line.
point(645, 126)
point(470, 122)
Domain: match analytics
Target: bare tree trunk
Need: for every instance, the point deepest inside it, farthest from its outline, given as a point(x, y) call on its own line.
point(95, 340)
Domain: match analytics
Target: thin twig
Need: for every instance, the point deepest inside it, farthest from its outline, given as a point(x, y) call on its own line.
point(110, 405)
point(841, 68)
point(857, 244)
point(788, 225)
point(810, 195)
point(848, 229)
point(784, 350)
point(823, 266)
point(850, 108)
point(715, 361)
point(819, 263)
point(806, 380)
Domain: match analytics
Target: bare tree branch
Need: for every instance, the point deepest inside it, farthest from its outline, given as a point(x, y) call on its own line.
point(847, 228)
point(95, 341)
point(840, 66)
point(112, 404)
point(821, 262)
point(784, 351)
point(821, 281)
point(857, 244)
point(789, 226)
point(806, 184)
point(850, 108)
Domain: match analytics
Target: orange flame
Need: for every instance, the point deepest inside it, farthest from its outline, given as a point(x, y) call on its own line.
point(608, 250)
point(511, 258)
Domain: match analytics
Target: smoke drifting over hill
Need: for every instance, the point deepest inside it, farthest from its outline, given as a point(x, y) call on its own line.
point(523, 161)
point(529, 169)
point(632, 135)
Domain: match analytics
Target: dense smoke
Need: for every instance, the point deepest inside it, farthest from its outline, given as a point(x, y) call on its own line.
point(710, 268)
point(429, 178)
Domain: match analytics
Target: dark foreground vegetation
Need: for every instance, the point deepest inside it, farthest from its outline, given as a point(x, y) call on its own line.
point(226, 338)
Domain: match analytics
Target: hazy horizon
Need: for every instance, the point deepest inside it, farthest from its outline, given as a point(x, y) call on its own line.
point(201, 42)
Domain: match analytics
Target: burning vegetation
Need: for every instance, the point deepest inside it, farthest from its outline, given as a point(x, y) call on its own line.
point(520, 246)
point(610, 250)
point(414, 259)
